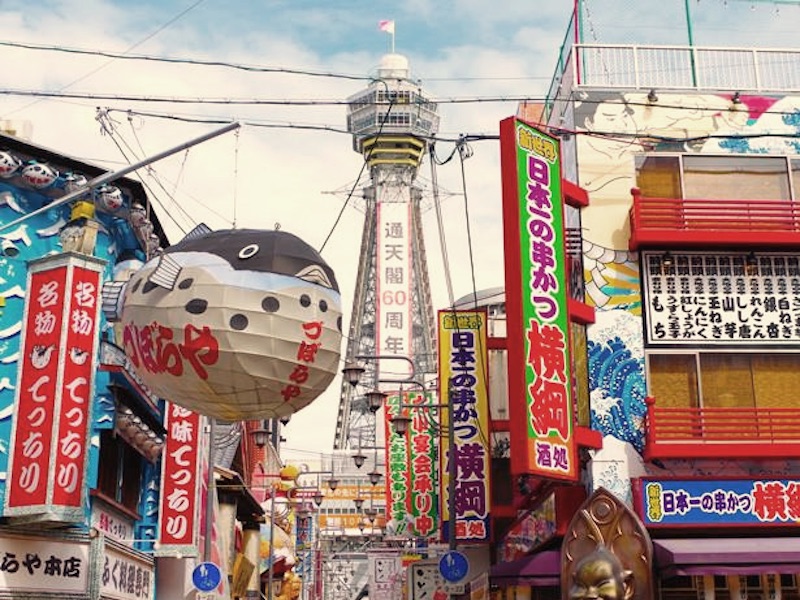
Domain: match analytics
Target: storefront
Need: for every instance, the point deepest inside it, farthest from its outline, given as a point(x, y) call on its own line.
point(74, 566)
point(722, 538)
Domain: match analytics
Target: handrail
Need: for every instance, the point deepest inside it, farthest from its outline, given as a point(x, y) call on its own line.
point(635, 66)
point(741, 425)
point(691, 221)
point(697, 213)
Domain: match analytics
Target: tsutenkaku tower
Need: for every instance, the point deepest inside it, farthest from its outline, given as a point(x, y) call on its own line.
point(392, 123)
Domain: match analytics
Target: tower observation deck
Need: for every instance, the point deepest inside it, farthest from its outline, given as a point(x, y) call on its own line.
point(392, 122)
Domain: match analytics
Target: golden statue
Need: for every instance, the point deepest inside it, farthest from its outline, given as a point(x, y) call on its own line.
point(600, 575)
point(607, 553)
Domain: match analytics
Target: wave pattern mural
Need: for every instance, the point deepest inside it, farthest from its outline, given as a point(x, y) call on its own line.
point(616, 377)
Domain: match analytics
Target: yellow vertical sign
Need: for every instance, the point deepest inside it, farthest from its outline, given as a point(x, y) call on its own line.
point(463, 388)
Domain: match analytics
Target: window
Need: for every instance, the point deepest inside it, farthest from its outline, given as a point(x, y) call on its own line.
point(723, 380)
point(659, 176)
point(728, 177)
point(735, 177)
point(119, 474)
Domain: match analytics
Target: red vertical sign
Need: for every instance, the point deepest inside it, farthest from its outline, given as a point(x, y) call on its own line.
point(30, 461)
point(179, 505)
point(47, 468)
point(74, 401)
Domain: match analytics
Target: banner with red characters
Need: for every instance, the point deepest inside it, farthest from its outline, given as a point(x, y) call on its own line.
point(47, 466)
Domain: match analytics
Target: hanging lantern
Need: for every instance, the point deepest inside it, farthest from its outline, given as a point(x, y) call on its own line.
point(235, 324)
point(9, 164)
point(73, 181)
point(108, 198)
point(39, 175)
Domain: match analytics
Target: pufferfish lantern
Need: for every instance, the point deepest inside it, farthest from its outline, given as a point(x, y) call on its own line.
point(234, 324)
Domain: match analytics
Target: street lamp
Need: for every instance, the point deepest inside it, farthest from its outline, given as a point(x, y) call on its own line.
point(371, 513)
point(333, 483)
point(359, 459)
point(358, 500)
point(260, 435)
point(375, 400)
point(374, 477)
point(400, 424)
point(352, 372)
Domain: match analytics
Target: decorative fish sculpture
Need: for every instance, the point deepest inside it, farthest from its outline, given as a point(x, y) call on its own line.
point(235, 324)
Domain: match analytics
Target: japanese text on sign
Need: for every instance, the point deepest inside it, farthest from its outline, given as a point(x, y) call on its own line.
point(394, 278)
point(721, 299)
point(125, 578)
point(76, 392)
point(540, 367)
point(180, 483)
point(36, 392)
point(740, 501)
point(463, 368)
point(30, 565)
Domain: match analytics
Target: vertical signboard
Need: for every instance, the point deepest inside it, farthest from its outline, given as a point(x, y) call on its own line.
point(398, 476)
point(180, 484)
point(463, 369)
point(47, 467)
point(393, 274)
point(539, 368)
point(412, 474)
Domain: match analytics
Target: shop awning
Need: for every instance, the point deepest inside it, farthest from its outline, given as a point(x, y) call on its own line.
point(727, 556)
point(537, 570)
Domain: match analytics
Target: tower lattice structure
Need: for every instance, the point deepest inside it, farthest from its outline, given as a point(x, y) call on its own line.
point(392, 123)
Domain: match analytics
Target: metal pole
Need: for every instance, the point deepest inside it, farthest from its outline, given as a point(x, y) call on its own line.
point(271, 542)
point(691, 42)
point(209, 491)
point(108, 177)
point(452, 471)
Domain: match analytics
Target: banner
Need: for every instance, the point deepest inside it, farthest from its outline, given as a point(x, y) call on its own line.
point(539, 362)
point(180, 503)
point(463, 380)
point(48, 462)
point(413, 474)
point(394, 275)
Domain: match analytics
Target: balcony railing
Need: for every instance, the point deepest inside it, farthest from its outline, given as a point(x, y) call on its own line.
point(684, 68)
point(721, 432)
point(695, 222)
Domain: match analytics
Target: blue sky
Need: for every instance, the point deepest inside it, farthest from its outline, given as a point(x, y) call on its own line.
point(300, 177)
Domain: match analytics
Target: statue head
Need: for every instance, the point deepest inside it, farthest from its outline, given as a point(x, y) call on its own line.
point(600, 576)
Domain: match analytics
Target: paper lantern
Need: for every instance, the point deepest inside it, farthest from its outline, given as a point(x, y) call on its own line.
point(108, 198)
point(39, 175)
point(9, 164)
point(235, 324)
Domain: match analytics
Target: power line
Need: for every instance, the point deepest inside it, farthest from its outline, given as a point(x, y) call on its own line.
point(338, 102)
point(151, 35)
point(182, 61)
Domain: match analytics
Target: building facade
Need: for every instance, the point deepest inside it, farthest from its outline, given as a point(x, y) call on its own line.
point(81, 437)
point(690, 261)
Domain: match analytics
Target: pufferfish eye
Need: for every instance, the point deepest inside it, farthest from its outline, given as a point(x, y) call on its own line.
point(248, 251)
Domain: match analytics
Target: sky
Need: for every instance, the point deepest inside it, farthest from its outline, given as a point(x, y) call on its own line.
point(293, 165)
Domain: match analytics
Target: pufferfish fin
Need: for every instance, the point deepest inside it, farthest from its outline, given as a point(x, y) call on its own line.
point(166, 272)
point(112, 295)
point(199, 231)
